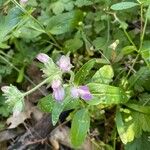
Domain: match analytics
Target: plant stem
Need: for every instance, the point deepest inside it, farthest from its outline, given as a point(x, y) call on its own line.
point(15, 68)
point(36, 87)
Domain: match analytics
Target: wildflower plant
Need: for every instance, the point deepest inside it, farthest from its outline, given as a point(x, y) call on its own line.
point(95, 57)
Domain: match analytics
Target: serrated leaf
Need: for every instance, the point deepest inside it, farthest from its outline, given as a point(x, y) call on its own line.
point(123, 5)
point(46, 103)
point(79, 127)
point(104, 75)
point(106, 94)
point(64, 22)
point(84, 71)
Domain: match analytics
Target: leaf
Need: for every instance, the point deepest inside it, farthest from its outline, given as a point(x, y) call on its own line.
point(123, 5)
point(104, 75)
point(141, 143)
point(128, 50)
point(126, 135)
point(83, 72)
point(139, 108)
point(73, 45)
point(81, 3)
point(57, 7)
point(141, 79)
point(14, 121)
point(99, 42)
point(64, 22)
point(9, 22)
point(106, 94)
point(46, 104)
point(58, 108)
point(79, 127)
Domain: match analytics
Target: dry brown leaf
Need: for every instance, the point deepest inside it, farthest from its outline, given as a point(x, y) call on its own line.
point(14, 121)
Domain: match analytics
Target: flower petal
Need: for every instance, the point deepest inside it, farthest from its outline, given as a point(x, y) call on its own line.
point(59, 93)
point(85, 93)
point(74, 92)
point(43, 57)
point(56, 84)
point(64, 63)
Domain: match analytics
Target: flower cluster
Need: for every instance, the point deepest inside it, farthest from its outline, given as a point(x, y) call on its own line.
point(65, 66)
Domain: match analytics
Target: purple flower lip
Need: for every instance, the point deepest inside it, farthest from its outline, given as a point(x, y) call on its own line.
point(81, 91)
point(44, 58)
point(58, 90)
point(64, 63)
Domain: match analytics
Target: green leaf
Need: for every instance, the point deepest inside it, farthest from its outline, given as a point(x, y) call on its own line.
point(64, 22)
point(126, 134)
point(58, 109)
point(99, 42)
point(106, 94)
point(139, 108)
point(57, 7)
point(141, 143)
point(79, 127)
point(141, 79)
point(128, 50)
point(123, 5)
point(9, 22)
point(46, 103)
point(104, 75)
point(81, 3)
point(81, 75)
point(73, 45)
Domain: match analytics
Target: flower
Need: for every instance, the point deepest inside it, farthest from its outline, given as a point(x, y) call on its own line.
point(44, 58)
point(64, 63)
point(58, 90)
point(81, 91)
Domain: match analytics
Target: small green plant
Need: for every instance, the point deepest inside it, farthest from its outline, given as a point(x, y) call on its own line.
point(95, 56)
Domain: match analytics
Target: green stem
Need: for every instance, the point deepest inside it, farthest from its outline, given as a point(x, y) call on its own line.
point(129, 38)
point(15, 68)
point(36, 87)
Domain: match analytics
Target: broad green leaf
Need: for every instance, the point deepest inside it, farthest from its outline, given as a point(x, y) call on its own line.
point(106, 94)
point(123, 5)
point(46, 103)
point(141, 143)
point(139, 108)
point(126, 133)
point(73, 44)
point(146, 55)
point(81, 75)
point(58, 7)
point(64, 22)
point(104, 75)
point(58, 109)
point(9, 22)
point(79, 127)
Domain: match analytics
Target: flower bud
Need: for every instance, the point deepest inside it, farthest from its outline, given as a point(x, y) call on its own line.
point(44, 58)
point(64, 63)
